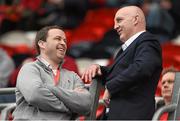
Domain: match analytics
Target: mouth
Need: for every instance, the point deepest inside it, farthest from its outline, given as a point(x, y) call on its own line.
point(167, 91)
point(61, 49)
point(119, 31)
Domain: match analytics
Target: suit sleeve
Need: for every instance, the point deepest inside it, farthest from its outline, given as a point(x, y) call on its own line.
point(147, 59)
point(77, 101)
point(105, 71)
point(35, 92)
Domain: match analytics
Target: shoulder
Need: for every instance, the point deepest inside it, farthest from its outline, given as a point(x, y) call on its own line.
point(147, 36)
point(30, 66)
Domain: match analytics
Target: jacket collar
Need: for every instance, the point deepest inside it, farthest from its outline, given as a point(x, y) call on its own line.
point(127, 49)
point(45, 64)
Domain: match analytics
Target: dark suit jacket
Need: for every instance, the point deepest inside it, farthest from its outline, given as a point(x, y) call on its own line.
point(133, 78)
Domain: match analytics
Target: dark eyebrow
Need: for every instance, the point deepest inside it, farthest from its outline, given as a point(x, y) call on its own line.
point(59, 37)
point(118, 19)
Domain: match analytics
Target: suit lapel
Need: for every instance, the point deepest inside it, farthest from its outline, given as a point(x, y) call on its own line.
point(119, 56)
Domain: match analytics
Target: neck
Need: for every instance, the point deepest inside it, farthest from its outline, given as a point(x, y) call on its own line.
point(167, 101)
point(54, 64)
point(139, 27)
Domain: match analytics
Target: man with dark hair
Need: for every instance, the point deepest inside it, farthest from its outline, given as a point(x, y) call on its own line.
point(44, 90)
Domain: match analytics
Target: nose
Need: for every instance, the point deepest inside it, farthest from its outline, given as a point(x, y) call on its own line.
point(63, 43)
point(165, 85)
point(116, 26)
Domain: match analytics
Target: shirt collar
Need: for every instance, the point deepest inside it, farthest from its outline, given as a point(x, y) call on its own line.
point(47, 64)
point(130, 40)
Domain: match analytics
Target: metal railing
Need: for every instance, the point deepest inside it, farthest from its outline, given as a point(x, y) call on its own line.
point(94, 89)
point(7, 91)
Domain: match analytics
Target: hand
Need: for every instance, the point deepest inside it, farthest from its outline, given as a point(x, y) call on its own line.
point(91, 72)
point(106, 97)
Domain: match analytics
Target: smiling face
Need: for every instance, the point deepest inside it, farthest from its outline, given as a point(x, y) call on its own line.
point(129, 21)
point(54, 48)
point(123, 25)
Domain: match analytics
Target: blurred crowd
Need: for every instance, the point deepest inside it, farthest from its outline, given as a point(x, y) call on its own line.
point(87, 36)
point(162, 15)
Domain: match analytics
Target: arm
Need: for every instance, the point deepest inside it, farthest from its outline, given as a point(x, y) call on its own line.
point(105, 72)
point(34, 91)
point(147, 59)
point(77, 100)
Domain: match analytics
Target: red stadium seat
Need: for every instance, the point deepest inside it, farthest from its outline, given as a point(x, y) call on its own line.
point(10, 50)
point(68, 37)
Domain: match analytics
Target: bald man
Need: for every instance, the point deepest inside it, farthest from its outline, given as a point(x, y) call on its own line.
point(132, 79)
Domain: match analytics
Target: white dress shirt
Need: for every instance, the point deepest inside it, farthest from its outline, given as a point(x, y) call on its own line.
point(130, 40)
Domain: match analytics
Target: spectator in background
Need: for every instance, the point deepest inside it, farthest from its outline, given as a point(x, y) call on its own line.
point(65, 13)
point(132, 79)
point(172, 6)
point(20, 14)
point(45, 91)
point(168, 78)
point(159, 20)
point(6, 68)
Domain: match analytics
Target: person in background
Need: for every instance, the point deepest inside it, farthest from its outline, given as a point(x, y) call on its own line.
point(45, 91)
point(132, 79)
point(7, 66)
point(168, 78)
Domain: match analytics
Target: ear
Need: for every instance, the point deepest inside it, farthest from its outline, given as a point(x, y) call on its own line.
point(136, 19)
point(41, 44)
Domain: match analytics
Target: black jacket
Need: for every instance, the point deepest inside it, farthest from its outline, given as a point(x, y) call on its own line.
point(133, 78)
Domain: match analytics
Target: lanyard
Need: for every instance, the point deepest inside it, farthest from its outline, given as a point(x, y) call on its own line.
point(57, 77)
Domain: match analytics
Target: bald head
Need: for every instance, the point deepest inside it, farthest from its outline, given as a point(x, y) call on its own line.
point(128, 21)
point(133, 11)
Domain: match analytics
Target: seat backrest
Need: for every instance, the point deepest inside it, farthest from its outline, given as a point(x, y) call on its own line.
point(174, 107)
point(94, 89)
